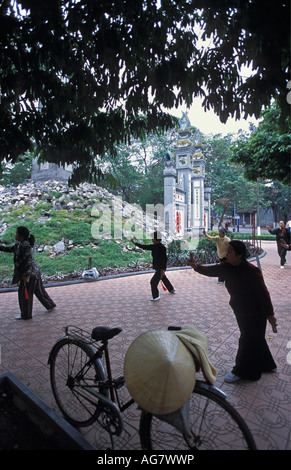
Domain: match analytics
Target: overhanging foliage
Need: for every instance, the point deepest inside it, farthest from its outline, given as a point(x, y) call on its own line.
point(80, 76)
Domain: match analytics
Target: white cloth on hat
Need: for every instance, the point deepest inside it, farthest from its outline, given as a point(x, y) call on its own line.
point(197, 343)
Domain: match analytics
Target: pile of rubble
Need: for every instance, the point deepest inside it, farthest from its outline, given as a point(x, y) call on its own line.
point(60, 196)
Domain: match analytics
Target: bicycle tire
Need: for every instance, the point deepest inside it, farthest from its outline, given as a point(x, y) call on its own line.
point(214, 422)
point(67, 359)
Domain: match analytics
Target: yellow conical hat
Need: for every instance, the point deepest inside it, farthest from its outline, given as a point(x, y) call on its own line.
point(159, 372)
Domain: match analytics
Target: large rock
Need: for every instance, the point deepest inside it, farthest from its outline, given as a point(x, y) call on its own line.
point(59, 247)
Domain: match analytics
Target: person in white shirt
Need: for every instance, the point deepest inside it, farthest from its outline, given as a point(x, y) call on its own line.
point(222, 242)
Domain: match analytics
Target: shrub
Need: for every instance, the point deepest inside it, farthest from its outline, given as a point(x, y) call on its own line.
point(177, 256)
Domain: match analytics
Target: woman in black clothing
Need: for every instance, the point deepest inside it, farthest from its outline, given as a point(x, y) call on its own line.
point(282, 233)
point(27, 274)
point(159, 255)
point(252, 306)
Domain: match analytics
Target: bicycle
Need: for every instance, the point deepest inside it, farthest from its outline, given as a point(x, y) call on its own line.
point(86, 392)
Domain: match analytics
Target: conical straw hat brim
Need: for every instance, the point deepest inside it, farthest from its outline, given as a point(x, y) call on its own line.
point(159, 372)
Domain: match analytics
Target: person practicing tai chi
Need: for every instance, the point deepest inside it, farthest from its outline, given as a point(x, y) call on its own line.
point(222, 242)
point(251, 302)
point(285, 245)
point(282, 233)
point(160, 258)
point(27, 274)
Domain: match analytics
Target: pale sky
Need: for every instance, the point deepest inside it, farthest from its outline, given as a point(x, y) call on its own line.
point(208, 122)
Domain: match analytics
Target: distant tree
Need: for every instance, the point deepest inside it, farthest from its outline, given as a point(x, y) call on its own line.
point(137, 169)
point(14, 174)
point(127, 177)
point(151, 190)
point(79, 77)
point(229, 188)
point(277, 196)
point(266, 153)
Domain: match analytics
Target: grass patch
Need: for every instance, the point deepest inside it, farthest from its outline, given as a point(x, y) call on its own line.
point(107, 254)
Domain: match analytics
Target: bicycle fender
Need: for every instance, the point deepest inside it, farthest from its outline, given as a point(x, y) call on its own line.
point(217, 391)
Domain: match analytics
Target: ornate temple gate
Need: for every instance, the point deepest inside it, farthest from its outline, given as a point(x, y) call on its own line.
point(186, 197)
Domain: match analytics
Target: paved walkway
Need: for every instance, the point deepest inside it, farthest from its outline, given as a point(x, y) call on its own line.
point(124, 302)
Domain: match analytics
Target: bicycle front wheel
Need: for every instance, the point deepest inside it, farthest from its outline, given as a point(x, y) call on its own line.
point(214, 424)
point(71, 375)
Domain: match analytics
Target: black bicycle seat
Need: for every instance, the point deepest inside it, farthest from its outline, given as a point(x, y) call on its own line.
point(103, 333)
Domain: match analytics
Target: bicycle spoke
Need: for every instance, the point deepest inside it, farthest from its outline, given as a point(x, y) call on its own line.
point(69, 377)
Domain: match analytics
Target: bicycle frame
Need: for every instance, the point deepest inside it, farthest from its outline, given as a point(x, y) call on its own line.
point(94, 384)
point(107, 382)
point(111, 384)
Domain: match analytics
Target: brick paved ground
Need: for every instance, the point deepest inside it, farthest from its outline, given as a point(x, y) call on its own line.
point(124, 302)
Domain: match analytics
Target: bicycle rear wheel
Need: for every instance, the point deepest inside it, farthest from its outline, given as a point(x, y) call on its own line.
point(214, 424)
point(71, 376)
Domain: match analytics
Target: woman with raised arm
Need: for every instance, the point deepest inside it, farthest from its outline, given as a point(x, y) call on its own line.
point(27, 274)
point(252, 306)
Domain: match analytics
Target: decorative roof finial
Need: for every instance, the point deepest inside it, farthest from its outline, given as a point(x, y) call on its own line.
point(184, 122)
